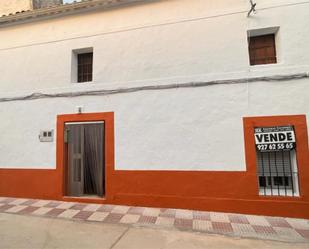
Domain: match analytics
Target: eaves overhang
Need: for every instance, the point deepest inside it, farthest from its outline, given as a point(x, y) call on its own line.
point(62, 10)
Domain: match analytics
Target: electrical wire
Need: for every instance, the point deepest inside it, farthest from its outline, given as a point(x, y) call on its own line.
point(275, 78)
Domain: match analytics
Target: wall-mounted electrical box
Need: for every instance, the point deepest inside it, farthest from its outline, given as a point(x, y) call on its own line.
point(46, 136)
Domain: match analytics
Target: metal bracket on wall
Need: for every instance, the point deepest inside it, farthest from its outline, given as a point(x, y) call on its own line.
point(252, 10)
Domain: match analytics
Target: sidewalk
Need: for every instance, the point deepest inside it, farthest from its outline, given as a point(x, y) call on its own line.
point(235, 225)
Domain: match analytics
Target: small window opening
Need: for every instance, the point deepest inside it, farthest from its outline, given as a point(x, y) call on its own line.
point(262, 49)
point(84, 67)
point(277, 173)
point(262, 45)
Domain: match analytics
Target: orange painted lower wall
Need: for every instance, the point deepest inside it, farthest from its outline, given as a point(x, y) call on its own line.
point(211, 191)
point(201, 190)
point(215, 191)
point(30, 183)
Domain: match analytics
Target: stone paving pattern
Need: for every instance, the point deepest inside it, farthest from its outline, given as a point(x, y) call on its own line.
point(252, 226)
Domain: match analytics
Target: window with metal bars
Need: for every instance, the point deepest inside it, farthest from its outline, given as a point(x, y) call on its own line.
point(277, 173)
point(262, 49)
point(84, 67)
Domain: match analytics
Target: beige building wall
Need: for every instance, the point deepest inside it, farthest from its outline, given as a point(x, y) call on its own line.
point(13, 6)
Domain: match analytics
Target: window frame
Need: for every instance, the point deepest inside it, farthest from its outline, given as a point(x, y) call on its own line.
point(75, 64)
point(84, 67)
point(260, 32)
point(268, 48)
point(301, 131)
point(281, 178)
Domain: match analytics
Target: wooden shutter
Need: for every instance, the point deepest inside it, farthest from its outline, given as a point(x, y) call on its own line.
point(262, 50)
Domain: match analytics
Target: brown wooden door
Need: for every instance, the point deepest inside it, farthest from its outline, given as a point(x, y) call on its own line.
point(85, 159)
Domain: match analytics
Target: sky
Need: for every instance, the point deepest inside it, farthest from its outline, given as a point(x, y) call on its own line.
point(70, 1)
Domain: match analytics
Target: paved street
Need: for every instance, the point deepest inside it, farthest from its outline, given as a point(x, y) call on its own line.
point(18, 231)
point(27, 223)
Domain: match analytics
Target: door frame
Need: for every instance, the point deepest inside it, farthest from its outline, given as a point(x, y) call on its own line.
point(61, 150)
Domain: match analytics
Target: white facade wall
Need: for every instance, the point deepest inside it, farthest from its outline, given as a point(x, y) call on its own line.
point(162, 42)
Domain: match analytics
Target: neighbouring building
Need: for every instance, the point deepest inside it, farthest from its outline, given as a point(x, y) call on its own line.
point(171, 103)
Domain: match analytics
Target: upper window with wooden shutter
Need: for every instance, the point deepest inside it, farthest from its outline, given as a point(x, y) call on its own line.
point(262, 49)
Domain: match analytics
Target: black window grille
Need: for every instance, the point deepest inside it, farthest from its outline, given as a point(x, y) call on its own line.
point(277, 173)
point(84, 64)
